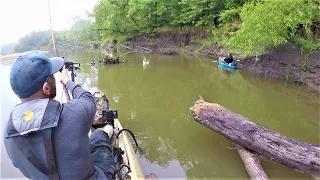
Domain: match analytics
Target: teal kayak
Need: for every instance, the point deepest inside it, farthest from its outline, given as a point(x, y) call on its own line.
point(227, 66)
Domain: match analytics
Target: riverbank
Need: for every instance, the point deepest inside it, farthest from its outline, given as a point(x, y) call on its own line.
point(283, 62)
point(8, 57)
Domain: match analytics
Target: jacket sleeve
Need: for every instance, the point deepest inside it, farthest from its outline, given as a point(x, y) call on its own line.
point(83, 101)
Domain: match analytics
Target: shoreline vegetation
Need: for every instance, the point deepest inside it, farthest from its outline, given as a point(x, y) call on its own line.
point(243, 27)
point(11, 57)
point(8, 57)
point(252, 30)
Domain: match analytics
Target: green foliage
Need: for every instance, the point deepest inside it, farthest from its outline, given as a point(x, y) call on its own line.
point(230, 15)
point(116, 19)
point(219, 35)
point(151, 13)
point(232, 4)
point(33, 41)
point(198, 12)
point(81, 31)
point(266, 24)
point(111, 18)
point(307, 43)
point(247, 26)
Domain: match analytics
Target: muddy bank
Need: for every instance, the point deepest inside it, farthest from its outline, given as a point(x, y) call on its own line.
point(170, 43)
point(284, 62)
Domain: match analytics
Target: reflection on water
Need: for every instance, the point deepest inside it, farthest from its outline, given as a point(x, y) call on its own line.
point(171, 170)
point(154, 100)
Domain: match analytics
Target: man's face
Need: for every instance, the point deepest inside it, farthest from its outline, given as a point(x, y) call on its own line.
point(52, 87)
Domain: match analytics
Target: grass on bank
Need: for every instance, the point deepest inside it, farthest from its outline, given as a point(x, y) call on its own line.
point(12, 57)
point(8, 57)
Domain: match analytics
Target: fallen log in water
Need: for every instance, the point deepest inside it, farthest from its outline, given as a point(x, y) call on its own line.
point(128, 47)
point(251, 163)
point(108, 60)
point(144, 49)
point(297, 155)
point(138, 49)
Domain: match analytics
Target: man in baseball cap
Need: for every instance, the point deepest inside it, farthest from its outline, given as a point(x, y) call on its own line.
point(48, 140)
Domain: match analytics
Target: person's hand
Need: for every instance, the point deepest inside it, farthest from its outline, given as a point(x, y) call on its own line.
point(64, 77)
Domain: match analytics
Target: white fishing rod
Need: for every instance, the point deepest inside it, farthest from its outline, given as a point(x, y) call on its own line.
point(56, 51)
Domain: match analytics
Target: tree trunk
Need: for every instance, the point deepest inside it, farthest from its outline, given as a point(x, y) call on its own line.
point(251, 163)
point(297, 155)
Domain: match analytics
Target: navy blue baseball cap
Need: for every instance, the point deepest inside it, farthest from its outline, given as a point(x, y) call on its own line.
point(31, 70)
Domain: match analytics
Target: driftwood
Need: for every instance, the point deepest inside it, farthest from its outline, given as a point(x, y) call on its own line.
point(128, 47)
point(138, 48)
point(294, 154)
point(108, 60)
point(146, 49)
point(251, 163)
point(106, 54)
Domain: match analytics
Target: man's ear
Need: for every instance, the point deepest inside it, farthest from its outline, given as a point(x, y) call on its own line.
point(46, 88)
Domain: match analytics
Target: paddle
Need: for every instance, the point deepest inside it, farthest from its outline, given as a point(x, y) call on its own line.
point(238, 60)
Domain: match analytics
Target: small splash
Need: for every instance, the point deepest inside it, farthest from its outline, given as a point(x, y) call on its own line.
point(151, 176)
point(116, 99)
point(133, 115)
point(145, 61)
point(188, 165)
point(107, 54)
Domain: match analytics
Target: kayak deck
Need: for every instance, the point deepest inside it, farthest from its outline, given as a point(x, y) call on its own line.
point(128, 166)
point(129, 156)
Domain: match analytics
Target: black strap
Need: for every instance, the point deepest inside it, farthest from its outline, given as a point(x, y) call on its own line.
point(24, 147)
point(50, 170)
point(48, 144)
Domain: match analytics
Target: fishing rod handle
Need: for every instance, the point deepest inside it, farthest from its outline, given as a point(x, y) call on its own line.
point(66, 92)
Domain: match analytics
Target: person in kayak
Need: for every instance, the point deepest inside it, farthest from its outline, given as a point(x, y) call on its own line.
point(228, 59)
point(48, 140)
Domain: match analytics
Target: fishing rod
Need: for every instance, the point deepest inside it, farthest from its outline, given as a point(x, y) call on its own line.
point(52, 34)
point(56, 51)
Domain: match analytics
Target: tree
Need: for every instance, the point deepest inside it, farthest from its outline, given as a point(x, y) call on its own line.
point(81, 31)
point(32, 41)
point(198, 12)
point(266, 24)
point(111, 18)
point(149, 14)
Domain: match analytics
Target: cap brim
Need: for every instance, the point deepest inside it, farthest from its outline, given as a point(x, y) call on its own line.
point(57, 64)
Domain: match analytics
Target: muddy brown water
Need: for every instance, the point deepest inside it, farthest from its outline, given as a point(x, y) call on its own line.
point(153, 100)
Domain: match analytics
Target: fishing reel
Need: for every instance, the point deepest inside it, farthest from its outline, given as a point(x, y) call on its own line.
point(72, 66)
point(109, 115)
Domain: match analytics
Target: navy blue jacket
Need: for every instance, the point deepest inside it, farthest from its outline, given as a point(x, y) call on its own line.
point(71, 140)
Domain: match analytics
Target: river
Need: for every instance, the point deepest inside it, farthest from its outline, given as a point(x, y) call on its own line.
point(153, 101)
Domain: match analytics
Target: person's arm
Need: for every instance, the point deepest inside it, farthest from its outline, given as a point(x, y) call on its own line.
point(78, 92)
point(83, 101)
